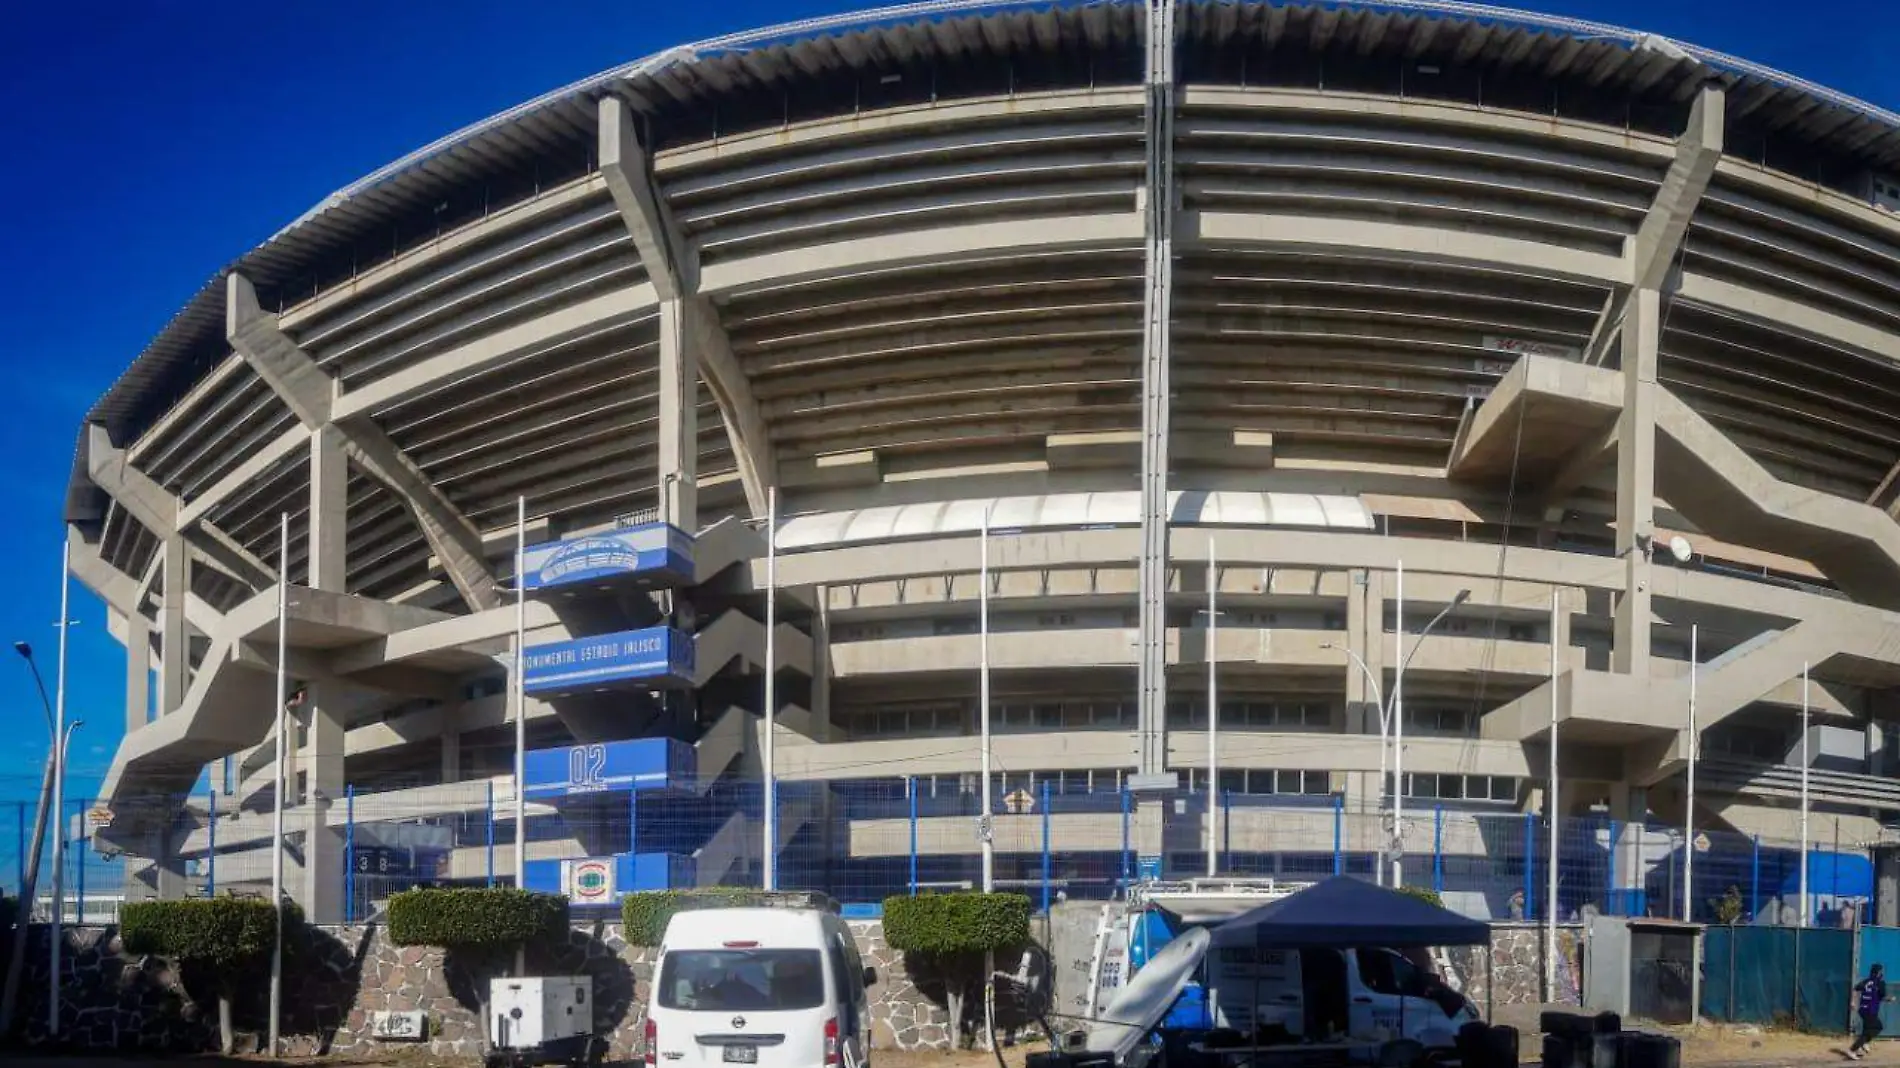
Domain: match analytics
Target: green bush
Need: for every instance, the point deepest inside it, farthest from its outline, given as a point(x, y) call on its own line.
point(475, 918)
point(1423, 893)
point(223, 938)
point(224, 933)
point(643, 916)
point(945, 924)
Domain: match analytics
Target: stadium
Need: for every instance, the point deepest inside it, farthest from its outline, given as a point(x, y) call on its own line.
point(1478, 371)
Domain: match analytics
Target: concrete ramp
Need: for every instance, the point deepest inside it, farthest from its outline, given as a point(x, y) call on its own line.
point(1545, 412)
point(722, 545)
point(1725, 492)
point(737, 636)
point(231, 705)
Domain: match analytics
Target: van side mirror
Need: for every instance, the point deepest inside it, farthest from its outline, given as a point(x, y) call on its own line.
point(870, 976)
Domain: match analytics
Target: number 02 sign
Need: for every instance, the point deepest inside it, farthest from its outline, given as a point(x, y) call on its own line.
point(586, 769)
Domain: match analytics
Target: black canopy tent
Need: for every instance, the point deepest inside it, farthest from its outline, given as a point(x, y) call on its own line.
point(1344, 913)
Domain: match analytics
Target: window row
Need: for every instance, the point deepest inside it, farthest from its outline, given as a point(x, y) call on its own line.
point(1432, 786)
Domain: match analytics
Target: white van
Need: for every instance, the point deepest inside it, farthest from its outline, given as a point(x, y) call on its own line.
point(1356, 995)
point(771, 987)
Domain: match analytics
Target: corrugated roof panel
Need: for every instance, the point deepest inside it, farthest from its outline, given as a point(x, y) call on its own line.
point(1071, 511)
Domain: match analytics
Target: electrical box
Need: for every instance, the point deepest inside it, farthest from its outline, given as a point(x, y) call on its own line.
point(531, 1014)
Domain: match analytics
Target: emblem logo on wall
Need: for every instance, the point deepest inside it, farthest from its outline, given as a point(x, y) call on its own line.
point(590, 882)
point(589, 556)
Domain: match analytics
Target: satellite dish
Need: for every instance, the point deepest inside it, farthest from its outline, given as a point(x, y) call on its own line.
point(1680, 548)
point(1148, 996)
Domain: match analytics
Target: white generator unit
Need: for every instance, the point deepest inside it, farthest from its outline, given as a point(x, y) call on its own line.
point(547, 1020)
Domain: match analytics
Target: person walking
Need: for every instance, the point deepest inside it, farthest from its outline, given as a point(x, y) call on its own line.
point(1870, 994)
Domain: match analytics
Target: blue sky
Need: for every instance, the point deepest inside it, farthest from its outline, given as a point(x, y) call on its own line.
point(146, 145)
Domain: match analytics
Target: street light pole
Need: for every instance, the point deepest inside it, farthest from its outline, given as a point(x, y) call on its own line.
point(17, 955)
point(1378, 704)
point(1398, 721)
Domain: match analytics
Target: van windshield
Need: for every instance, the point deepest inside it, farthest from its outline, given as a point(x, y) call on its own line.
point(741, 980)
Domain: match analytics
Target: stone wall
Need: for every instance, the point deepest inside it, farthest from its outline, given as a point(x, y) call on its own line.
point(1514, 973)
point(336, 978)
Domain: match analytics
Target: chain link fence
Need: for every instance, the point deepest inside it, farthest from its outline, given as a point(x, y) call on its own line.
point(1052, 839)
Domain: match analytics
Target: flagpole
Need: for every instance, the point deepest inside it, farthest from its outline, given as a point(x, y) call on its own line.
point(1688, 812)
point(1553, 813)
point(1804, 796)
point(983, 696)
point(1398, 736)
point(282, 780)
point(521, 693)
point(1213, 701)
point(769, 863)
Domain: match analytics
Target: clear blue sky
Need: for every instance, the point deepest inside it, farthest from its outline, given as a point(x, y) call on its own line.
point(147, 145)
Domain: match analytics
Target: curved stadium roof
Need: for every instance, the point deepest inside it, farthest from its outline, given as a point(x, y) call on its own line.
point(746, 79)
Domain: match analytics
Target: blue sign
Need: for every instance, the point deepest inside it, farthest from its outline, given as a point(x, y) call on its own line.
point(661, 654)
point(602, 767)
point(657, 550)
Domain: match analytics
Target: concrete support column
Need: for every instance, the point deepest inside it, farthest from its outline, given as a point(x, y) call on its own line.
point(174, 634)
point(317, 884)
point(1636, 482)
point(329, 510)
point(451, 756)
point(167, 872)
point(679, 421)
point(138, 672)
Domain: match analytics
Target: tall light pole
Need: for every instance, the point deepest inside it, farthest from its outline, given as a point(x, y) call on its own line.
point(1398, 720)
point(30, 879)
point(1385, 724)
point(768, 865)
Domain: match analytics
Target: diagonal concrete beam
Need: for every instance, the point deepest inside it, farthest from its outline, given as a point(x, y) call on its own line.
point(310, 392)
point(1659, 237)
point(158, 511)
point(1698, 150)
point(673, 270)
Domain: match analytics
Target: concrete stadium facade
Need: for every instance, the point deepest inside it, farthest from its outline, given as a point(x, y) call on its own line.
point(1504, 301)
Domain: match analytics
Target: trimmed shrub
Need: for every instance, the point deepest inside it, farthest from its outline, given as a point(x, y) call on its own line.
point(223, 939)
point(475, 918)
point(952, 935)
point(943, 924)
point(1423, 893)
